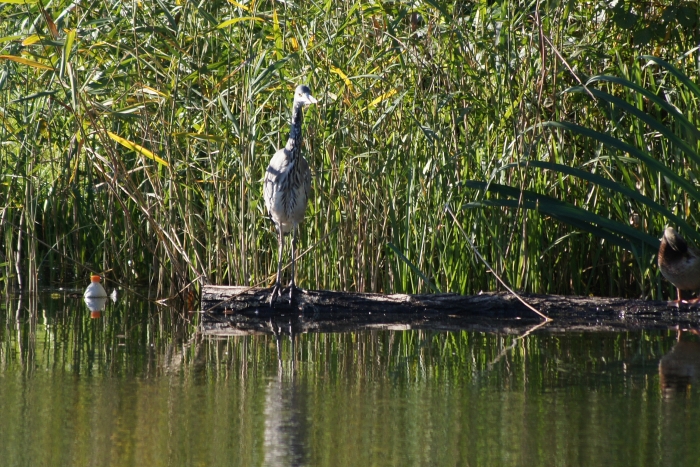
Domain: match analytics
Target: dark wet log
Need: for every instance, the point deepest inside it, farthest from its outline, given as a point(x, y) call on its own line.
point(242, 310)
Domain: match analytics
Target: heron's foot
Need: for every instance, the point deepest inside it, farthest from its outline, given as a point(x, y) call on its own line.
point(275, 293)
point(293, 289)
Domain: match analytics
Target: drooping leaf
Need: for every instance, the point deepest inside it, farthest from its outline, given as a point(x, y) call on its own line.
point(563, 210)
point(682, 77)
point(679, 117)
point(643, 116)
point(413, 267)
point(26, 61)
point(614, 186)
point(649, 161)
point(573, 221)
point(138, 148)
point(233, 21)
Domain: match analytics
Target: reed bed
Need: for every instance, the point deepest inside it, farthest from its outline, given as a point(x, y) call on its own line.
point(136, 134)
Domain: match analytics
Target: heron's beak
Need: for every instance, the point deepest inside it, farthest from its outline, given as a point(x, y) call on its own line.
point(310, 99)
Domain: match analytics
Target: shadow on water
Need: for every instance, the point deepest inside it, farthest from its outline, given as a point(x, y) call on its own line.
point(141, 384)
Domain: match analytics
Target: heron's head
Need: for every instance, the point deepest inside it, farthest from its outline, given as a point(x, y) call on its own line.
point(302, 95)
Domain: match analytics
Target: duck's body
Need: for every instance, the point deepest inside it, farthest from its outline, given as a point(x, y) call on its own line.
point(680, 367)
point(286, 186)
point(679, 262)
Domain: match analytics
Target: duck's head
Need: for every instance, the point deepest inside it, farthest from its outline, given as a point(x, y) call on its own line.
point(674, 240)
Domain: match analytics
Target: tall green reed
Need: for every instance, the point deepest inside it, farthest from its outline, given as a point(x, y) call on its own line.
point(136, 138)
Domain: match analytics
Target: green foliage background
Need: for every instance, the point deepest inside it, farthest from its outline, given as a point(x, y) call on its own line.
point(135, 135)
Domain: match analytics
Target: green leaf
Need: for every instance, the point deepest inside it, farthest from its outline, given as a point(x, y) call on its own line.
point(398, 253)
point(574, 222)
point(565, 211)
point(614, 186)
point(233, 21)
point(34, 96)
point(270, 69)
point(692, 129)
point(633, 151)
point(643, 116)
point(682, 77)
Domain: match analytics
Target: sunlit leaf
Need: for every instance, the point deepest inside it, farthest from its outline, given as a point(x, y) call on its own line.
point(138, 148)
point(153, 92)
point(68, 46)
point(10, 38)
point(238, 20)
point(33, 39)
point(381, 98)
point(343, 76)
point(239, 5)
point(201, 136)
point(26, 61)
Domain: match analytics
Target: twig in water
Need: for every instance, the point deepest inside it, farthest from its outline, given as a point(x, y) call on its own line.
point(521, 337)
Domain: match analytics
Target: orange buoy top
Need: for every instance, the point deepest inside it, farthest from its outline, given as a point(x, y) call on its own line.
point(95, 278)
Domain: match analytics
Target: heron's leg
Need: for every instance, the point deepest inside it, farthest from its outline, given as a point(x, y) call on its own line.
point(278, 283)
point(292, 284)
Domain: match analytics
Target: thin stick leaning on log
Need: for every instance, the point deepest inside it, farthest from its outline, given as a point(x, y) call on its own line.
point(498, 278)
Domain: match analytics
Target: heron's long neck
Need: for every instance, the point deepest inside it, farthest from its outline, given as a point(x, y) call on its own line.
point(294, 141)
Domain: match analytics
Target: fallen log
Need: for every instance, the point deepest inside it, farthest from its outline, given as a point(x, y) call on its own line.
point(244, 310)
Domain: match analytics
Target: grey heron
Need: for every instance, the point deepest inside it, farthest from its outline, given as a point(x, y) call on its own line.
point(286, 187)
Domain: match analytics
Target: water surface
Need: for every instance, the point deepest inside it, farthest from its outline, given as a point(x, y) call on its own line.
point(139, 386)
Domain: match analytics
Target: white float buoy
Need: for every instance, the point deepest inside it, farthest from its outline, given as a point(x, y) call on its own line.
point(95, 289)
point(96, 305)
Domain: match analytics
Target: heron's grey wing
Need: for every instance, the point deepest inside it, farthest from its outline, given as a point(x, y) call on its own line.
point(272, 177)
point(306, 177)
point(268, 188)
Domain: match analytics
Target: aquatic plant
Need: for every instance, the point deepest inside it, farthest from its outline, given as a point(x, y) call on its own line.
point(645, 165)
point(135, 137)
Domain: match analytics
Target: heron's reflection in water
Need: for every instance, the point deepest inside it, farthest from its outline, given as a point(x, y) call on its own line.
point(680, 368)
point(286, 421)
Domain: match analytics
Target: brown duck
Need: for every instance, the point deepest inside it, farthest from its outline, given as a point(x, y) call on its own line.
point(679, 262)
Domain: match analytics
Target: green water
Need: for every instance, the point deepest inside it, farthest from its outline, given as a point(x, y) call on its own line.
point(139, 386)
